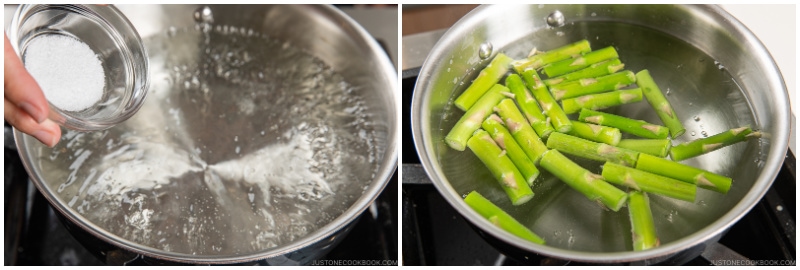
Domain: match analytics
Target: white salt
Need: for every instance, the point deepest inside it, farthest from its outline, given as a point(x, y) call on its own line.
point(68, 71)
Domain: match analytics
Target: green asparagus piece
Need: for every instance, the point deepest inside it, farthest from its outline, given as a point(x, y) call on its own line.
point(591, 150)
point(597, 85)
point(502, 168)
point(656, 147)
point(686, 173)
point(601, 101)
point(558, 118)
point(590, 185)
point(569, 65)
point(642, 225)
point(636, 127)
point(701, 146)
point(593, 71)
point(529, 106)
point(656, 99)
point(541, 59)
point(596, 133)
point(503, 138)
point(489, 76)
point(500, 218)
point(472, 119)
point(648, 182)
point(521, 130)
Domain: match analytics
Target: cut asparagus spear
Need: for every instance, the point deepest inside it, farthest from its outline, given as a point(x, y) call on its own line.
point(596, 133)
point(656, 99)
point(590, 185)
point(569, 65)
point(686, 173)
point(656, 147)
point(472, 119)
point(642, 226)
point(648, 182)
point(593, 71)
point(521, 130)
point(601, 101)
point(500, 218)
point(636, 127)
point(488, 77)
point(589, 86)
point(503, 170)
point(541, 59)
point(701, 146)
point(591, 150)
point(503, 138)
point(529, 106)
point(560, 121)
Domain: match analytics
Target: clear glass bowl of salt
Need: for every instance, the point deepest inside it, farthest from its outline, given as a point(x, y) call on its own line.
point(88, 59)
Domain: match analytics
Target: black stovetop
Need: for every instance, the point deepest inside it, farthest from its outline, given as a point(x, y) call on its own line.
point(434, 233)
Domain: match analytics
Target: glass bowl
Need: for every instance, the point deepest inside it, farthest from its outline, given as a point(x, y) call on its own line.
point(115, 42)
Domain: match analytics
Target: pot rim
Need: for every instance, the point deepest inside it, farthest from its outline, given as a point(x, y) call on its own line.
point(381, 179)
point(425, 148)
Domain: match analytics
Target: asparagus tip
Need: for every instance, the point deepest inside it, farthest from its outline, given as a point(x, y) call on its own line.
point(629, 182)
point(703, 181)
point(651, 128)
point(755, 134)
point(502, 153)
point(494, 117)
point(595, 129)
point(558, 94)
point(627, 97)
point(578, 61)
point(555, 81)
point(615, 68)
point(587, 81)
point(590, 177)
point(594, 119)
point(665, 108)
point(546, 106)
point(605, 149)
point(509, 181)
point(711, 147)
point(513, 126)
point(528, 96)
point(736, 131)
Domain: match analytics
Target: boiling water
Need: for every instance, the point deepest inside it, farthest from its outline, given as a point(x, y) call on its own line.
point(706, 98)
point(245, 143)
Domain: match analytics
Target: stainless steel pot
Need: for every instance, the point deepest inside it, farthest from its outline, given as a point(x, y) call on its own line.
point(267, 131)
point(714, 71)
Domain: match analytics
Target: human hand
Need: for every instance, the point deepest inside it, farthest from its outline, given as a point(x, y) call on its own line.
point(25, 106)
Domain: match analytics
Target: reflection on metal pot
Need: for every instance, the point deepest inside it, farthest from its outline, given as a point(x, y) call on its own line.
point(245, 143)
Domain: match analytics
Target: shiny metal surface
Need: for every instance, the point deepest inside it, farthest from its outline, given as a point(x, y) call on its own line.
point(715, 72)
point(267, 131)
point(415, 48)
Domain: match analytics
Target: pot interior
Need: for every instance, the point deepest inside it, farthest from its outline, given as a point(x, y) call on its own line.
point(715, 77)
point(253, 141)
